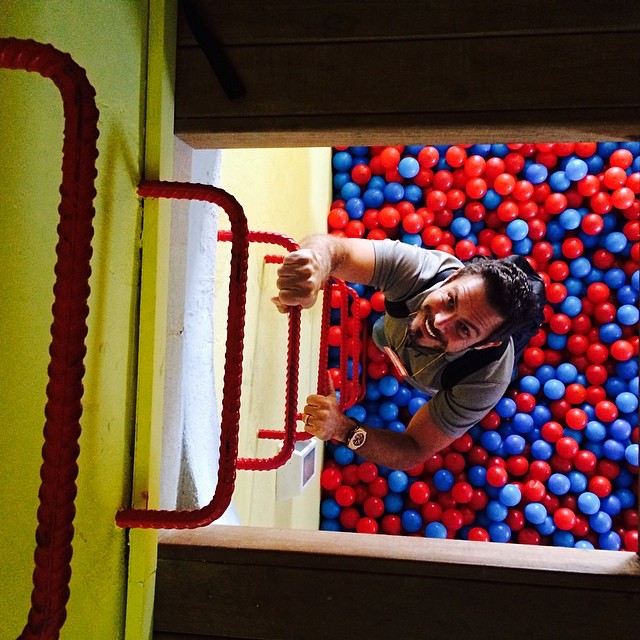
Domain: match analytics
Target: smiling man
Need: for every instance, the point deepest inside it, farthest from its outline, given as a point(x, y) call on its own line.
point(439, 311)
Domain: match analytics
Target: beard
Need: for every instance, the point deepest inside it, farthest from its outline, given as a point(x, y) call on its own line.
point(424, 334)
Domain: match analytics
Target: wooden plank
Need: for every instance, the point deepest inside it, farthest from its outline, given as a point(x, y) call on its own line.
point(213, 542)
point(279, 21)
point(283, 601)
point(417, 77)
point(434, 128)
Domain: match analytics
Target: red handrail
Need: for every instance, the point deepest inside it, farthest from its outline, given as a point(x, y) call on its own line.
point(189, 519)
point(63, 409)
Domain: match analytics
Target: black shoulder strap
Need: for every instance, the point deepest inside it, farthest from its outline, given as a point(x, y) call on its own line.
point(470, 362)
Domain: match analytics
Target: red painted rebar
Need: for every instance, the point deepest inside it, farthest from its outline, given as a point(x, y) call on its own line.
point(189, 519)
point(63, 409)
point(293, 356)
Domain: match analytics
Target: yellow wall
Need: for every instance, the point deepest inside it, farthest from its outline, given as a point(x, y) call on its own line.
point(109, 40)
point(286, 191)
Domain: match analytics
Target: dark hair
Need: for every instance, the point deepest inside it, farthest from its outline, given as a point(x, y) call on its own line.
point(509, 292)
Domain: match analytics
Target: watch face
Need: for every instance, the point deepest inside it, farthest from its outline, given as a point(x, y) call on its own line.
point(357, 439)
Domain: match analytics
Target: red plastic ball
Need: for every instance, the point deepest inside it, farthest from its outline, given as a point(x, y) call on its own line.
point(622, 198)
point(476, 188)
point(391, 525)
point(534, 490)
point(622, 350)
point(452, 519)
point(478, 534)
point(528, 536)
point(349, 518)
point(601, 203)
point(517, 465)
point(572, 248)
point(600, 485)
point(504, 184)
point(455, 156)
point(567, 448)
point(614, 177)
point(390, 157)
point(330, 479)
point(501, 245)
point(585, 461)
point(345, 495)
point(389, 217)
point(606, 411)
point(630, 541)
point(419, 492)
point(564, 519)
point(540, 470)
point(379, 487)
point(373, 507)
point(555, 203)
point(367, 525)
point(576, 418)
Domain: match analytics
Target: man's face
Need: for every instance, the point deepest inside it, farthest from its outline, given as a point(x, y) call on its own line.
point(456, 316)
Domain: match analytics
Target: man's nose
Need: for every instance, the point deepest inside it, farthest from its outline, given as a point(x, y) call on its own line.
point(442, 319)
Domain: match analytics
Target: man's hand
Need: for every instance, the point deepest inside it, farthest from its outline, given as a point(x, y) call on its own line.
point(323, 418)
point(300, 279)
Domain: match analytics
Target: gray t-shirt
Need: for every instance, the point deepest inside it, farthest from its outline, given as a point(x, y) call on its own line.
point(400, 271)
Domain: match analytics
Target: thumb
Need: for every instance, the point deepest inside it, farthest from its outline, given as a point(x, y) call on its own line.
point(330, 385)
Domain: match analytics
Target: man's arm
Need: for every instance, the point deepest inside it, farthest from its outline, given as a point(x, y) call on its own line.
point(420, 441)
point(304, 272)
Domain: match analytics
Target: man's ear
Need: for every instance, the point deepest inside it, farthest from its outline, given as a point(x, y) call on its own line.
point(486, 345)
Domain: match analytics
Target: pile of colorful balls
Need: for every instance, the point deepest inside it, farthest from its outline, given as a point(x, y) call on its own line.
point(556, 461)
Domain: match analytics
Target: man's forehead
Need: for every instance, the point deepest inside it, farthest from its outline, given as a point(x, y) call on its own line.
point(473, 300)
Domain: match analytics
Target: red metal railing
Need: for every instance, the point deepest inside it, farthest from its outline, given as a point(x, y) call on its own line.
point(232, 381)
point(63, 409)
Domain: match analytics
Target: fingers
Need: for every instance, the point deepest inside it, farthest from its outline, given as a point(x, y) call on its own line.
point(298, 279)
point(332, 389)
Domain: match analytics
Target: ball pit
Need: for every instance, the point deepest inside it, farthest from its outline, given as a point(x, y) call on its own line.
point(556, 461)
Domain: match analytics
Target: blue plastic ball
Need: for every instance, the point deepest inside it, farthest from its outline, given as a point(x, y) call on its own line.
point(566, 373)
point(558, 181)
point(461, 227)
point(393, 502)
point(627, 402)
point(477, 476)
point(529, 384)
point(541, 450)
point(411, 521)
point(357, 411)
point(393, 192)
point(388, 411)
point(569, 219)
point(355, 208)
point(396, 426)
point(514, 444)
point(610, 541)
point(595, 431)
point(342, 161)
point(398, 481)
point(408, 167)
point(402, 396)
point(499, 532)
point(578, 481)
point(443, 480)
point(588, 503)
point(343, 455)
point(580, 267)
point(536, 173)
point(615, 242)
point(416, 404)
point(631, 455)
point(329, 508)
point(506, 408)
point(627, 294)
point(576, 169)
point(510, 495)
point(435, 530)
point(330, 525)
point(546, 527)
point(612, 505)
point(559, 484)
point(535, 512)
point(388, 385)
point(491, 440)
point(553, 389)
point(614, 278)
point(491, 200)
point(517, 229)
point(373, 198)
point(583, 544)
point(628, 314)
point(496, 511)
point(600, 522)
point(413, 193)
point(350, 190)
point(563, 539)
point(610, 332)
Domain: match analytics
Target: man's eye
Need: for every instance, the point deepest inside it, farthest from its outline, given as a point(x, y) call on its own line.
point(464, 330)
point(450, 301)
